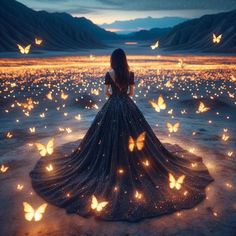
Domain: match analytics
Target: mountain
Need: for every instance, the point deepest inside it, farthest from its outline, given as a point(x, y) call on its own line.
point(147, 23)
point(60, 31)
point(152, 34)
point(197, 34)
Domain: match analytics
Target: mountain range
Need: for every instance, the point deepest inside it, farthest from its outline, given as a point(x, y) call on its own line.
point(61, 31)
point(20, 25)
point(197, 34)
point(128, 26)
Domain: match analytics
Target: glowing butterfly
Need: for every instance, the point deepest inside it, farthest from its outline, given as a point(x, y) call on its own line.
point(168, 84)
point(32, 130)
point(64, 96)
point(44, 150)
point(98, 206)
point(38, 41)
point(19, 187)
point(225, 137)
point(181, 63)
point(216, 39)
point(23, 50)
point(78, 117)
point(95, 92)
point(155, 45)
point(31, 214)
point(146, 163)
point(95, 106)
point(49, 96)
point(49, 168)
point(4, 168)
point(68, 130)
point(42, 115)
point(138, 195)
point(139, 143)
point(230, 153)
point(202, 108)
point(172, 128)
point(170, 111)
point(176, 183)
point(9, 135)
point(159, 105)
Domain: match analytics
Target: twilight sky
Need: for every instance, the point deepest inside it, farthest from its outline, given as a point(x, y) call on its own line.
point(107, 11)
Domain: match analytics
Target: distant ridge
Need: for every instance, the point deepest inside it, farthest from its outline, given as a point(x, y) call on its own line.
point(144, 24)
point(196, 34)
point(60, 31)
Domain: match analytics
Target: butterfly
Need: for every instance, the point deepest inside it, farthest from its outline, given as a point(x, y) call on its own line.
point(78, 117)
point(49, 168)
point(44, 150)
point(217, 39)
point(31, 214)
point(19, 187)
point(176, 183)
point(172, 128)
point(225, 137)
point(25, 50)
point(98, 206)
point(32, 130)
point(138, 195)
point(155, 45)
point(202, 108)
point(4, 168)
point(64, 96)
point(38, 41)
point(139, 143)
point(49, 96)
point(159, 105)
point(168, 84)
point(9, 135)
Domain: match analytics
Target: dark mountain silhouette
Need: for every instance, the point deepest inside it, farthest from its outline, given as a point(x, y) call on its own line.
point(152, 34)
point(147, 23)
point(196, 34)
point(60, 31)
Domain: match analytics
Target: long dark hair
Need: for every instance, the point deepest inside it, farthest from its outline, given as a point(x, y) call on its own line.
point(120, 65)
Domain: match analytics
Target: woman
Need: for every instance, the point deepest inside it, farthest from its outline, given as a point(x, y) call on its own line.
point(120, 170)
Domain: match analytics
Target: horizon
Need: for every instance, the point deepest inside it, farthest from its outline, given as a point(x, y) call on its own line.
point(109, 11)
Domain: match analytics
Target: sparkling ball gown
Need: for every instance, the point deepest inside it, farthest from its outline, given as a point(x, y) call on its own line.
point(120, 170)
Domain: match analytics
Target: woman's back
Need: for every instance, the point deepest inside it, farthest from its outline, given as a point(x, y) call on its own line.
point(110, 80)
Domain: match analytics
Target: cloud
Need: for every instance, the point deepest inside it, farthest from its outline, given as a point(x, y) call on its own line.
point(142, 5)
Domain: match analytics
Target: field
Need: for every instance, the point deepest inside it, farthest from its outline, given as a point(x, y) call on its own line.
point(58, 97)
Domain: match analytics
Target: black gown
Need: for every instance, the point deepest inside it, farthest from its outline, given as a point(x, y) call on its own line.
point(132, 177)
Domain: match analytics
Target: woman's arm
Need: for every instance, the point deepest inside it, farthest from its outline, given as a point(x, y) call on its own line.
point(107, 90)
point(131, 90)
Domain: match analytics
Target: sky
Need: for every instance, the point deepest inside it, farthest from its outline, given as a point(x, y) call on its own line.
point(108, 11)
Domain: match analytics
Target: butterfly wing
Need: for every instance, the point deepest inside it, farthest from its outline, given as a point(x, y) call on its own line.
point(42, 149)
point(179, 182)
point(39, 212)
point(101, 205)
point(22, 50)
point(27, 49)
point(50, 146)
point(131, 144)
point(140, 141)
point(161, 103)
point(172, 181)
point(94, 203)
point(176, 127)
point(170, 127)
point(29, 211)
